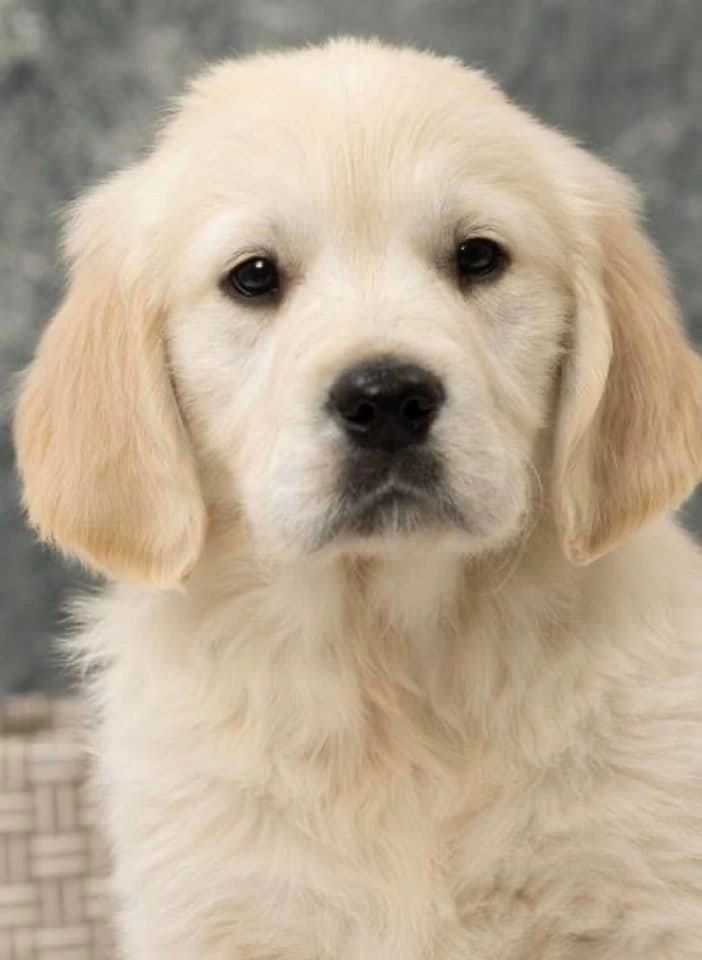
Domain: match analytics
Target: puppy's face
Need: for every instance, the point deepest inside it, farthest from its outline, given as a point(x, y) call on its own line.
point(360, 298)
point(370, 308)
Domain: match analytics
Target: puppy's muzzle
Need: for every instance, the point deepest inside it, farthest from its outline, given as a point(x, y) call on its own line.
point(391, 474)
point(386, 404)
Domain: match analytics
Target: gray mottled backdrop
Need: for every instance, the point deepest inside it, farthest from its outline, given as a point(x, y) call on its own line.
point(82, 82)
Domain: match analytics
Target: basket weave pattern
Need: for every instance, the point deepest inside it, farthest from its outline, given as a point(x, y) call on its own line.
point(54, 902)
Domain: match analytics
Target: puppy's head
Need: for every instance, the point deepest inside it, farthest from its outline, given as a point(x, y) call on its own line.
point(360, 297)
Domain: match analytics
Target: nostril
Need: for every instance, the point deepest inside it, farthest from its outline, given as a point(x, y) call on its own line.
point(417, 409)
point(361, 415)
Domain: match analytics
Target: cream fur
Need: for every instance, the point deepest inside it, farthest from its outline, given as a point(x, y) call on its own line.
point(443, 745)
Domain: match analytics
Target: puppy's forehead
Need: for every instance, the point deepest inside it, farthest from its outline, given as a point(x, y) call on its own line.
point(349, 121)
point(354, 144)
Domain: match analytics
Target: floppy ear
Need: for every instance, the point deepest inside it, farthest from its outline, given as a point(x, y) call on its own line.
point(629, 437)
point(107, 468)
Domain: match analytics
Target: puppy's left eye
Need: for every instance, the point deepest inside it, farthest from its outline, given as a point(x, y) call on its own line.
point(253, 278)
point(479, 257)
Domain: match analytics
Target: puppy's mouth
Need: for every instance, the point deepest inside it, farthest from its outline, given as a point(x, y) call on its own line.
point(385, 495)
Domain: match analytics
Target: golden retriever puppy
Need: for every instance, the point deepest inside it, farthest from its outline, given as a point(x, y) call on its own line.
point(371, 396)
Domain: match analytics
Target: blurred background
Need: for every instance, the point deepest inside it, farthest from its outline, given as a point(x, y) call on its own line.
point(82, 83)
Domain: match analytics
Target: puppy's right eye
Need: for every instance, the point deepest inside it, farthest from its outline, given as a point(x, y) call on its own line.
point(253, 278)
point(478, 258)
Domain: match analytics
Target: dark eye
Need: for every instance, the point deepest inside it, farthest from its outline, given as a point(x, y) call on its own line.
point(256, 277)
point(479, 257)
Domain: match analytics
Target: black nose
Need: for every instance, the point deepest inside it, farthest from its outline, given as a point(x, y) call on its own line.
point(385, 404)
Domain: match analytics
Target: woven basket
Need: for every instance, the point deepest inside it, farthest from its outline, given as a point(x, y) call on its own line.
point(54, 902)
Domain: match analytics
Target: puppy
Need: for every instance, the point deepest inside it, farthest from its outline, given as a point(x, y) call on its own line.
point(372, 398)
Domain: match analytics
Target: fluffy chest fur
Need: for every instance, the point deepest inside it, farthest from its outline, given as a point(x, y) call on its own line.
point(474, 781)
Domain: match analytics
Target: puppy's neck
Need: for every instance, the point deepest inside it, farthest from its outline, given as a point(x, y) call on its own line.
point(352, 671)
point(418, 585)
point(445, 620)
